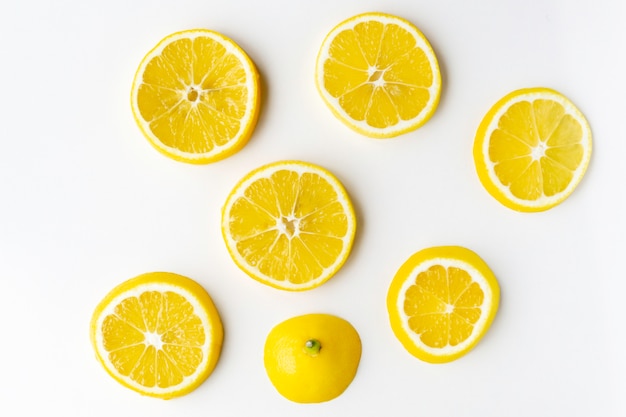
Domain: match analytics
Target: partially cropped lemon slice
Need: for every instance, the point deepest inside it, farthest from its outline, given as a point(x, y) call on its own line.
point(158, 334)
point(289, 224)
point(532, 149)
point(378, 74)
point(195, 96)
point(441, 302)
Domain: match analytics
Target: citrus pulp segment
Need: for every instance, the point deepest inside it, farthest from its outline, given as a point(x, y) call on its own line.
point(289, 224)
point(378, 74)
point(532, 149)
point(441, 302)
point(312, 358)
point(195, 96)
point(158, 334)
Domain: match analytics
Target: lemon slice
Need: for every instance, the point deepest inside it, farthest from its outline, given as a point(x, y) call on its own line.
point(532, 149)
point(289, 224)
point(195, 96)
point(379, 75)
point(158, 334)
point(441, 302)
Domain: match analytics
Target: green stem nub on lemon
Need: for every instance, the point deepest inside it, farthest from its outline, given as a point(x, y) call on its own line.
point(312, 347)
point(312, 358)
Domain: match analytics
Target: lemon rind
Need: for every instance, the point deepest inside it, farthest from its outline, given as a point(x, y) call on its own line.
point(485, 168)
point(403, 126)
point(300, 168)
point(247, 122)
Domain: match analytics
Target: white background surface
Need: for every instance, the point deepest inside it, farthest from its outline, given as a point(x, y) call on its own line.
point(87, 203)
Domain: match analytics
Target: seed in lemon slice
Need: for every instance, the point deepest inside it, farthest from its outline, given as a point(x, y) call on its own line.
point(378, 74)
point(289, 224)
point(195, 96)
point(441, 302)
point(158, 334)
point(532, 149)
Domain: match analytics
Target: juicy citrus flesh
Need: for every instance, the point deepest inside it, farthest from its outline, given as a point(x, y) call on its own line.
point(379, 75)
point(532, 149)
point(441, 302)
point(158, 334)
point(289, 224)
point(196, 96)
point(311, 377)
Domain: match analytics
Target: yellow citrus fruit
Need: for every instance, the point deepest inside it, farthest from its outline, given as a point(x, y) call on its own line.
point(158, 334)
point(378, 74)
point(532, 149)
point(289, 224)
point(441, 302)
point(312, 358)
point(195, 96)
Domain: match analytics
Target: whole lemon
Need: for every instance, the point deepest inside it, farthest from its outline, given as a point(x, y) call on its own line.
point(312, 358)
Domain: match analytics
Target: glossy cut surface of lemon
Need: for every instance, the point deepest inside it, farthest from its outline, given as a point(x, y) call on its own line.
point(378, 74)
point(289, 224)
point(195, 96)
point(441, 302)
point(158, 334)
point(532, 149)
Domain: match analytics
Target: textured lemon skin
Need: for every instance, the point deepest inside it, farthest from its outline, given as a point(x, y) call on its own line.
point(373, 132)
point(216, 334)
point(236, 144)
point(303, 378)
point(271, 282)
point(480, 157)
point(404, 273)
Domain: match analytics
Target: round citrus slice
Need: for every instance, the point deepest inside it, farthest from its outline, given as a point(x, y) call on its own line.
point(289, 224)
point(441, 302)
point(379, 75)
point(195, 96)
point(532, 149)
point(158, 334)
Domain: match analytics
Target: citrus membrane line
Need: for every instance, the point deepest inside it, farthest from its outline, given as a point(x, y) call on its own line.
point(392, 101)
point(428, 88)
point(434, 295)
point(202, 103)
point(321, 234)
point(318, 209)
point(311, 253)
point(513, 136)
point(352, 67)
point(156, 324)
point(295, 203)
point(466, 289)
point(126, 347)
